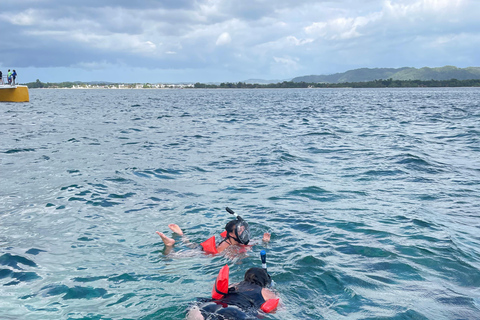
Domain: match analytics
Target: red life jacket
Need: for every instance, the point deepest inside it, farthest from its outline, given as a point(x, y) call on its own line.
point(220, 288)
point(269, 305)
point(210, 246)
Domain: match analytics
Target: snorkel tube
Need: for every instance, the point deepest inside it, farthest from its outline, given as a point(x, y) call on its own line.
point(263, 256)
point(271, 304)
point(233, 212)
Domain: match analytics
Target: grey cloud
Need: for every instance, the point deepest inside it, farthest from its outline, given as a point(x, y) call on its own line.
point(274, 38)
point(63, 5)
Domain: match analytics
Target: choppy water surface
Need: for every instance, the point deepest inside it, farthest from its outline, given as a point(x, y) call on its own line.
point(372, 198)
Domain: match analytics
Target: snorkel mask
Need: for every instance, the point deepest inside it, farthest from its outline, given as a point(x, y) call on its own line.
point(241, 229)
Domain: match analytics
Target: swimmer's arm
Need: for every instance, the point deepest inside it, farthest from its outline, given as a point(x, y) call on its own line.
point(268, 294)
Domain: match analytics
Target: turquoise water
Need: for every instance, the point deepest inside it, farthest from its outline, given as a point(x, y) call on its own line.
point(371, 196)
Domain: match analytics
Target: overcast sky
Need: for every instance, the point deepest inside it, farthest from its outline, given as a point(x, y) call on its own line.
point(231, 40)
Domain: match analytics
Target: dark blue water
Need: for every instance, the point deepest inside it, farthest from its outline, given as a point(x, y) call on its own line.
point(371, 196)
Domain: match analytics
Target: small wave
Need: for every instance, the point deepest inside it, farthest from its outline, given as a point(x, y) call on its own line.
point(76, 292)
point(125, 277)
point(124, 298)
point(13, 261)
point(121, 196)
point(383, 173)
point(362, 282)
point(34, 251)
point(409, 158)
point(314, 193)
point(423, 223)
point(366, 251)
point(317, 133)
point(455, 299)
point(103, 203)
point(315, 150)
point(119, 180)
point(157, 173)
point(381, 279)
point(416, 163)
point(410, 314)
point(399, 270)
point(86, 239)
point(18, 276)
point(310, 260)
point(89, 279)
point(11, 151)
point(71, 187)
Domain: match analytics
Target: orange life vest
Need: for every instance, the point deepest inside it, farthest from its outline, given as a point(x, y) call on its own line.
point(269, 305)
point(220, 287)
point(210, 245)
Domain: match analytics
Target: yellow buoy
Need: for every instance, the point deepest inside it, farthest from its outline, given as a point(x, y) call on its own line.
point(14, 94)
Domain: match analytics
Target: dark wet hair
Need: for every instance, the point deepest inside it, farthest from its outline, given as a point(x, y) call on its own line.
point(257, 276)
point(230, 226)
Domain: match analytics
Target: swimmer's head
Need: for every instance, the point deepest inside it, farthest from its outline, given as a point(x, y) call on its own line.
point(257, 276)
point(230, 227)
point(240, 229)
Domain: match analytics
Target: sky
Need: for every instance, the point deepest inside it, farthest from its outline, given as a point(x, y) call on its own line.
point(189, 41)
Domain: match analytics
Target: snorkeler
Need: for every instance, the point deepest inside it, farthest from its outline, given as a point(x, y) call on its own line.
point(240, 301)
point(237, 232)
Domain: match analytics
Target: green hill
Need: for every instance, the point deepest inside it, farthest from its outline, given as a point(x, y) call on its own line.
point(367, 74)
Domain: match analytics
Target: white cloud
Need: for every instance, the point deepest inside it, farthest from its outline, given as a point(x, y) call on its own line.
point(405, 9)
point(150, 45)
point(24, 18)
point(298, 42)
point(223, 39)
point(284, 65)
point(341, 28)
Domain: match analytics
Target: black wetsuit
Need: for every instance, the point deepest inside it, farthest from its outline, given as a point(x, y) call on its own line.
point(242, 304)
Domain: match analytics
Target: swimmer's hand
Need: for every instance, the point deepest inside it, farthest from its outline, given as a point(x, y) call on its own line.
point(266, 237)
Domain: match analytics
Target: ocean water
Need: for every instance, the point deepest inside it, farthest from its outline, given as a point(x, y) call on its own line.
point(372, 198)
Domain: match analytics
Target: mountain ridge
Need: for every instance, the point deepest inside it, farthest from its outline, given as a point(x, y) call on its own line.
point(404, 73)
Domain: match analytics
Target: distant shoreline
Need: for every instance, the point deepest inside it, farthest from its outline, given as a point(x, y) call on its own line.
point(419, 87)
point(388, 83)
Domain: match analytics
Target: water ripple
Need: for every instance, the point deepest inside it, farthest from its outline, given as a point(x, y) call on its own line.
point(371, 197)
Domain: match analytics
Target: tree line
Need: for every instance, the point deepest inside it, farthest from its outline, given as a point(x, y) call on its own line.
point(388, 83)
point(67, 84)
